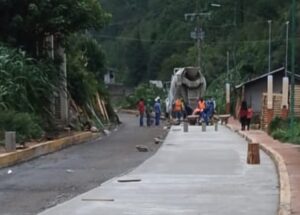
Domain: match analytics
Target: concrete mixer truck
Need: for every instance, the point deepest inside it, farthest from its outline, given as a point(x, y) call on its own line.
point(187, 83)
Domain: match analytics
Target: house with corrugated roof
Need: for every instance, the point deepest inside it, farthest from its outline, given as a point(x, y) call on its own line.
point(254, 92)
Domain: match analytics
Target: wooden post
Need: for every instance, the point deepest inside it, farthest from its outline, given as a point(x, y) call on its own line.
point(253, 153)
point(203, 126)
point(216, 125)
point(10, 141)
point(185, 126)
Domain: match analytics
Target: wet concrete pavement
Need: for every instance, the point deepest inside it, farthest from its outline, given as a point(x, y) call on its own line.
point(52, 179)
point(291, 156)
point(192, 173)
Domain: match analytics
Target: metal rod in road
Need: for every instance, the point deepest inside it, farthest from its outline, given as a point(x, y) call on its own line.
point(293, 58)
point(270, 33)
point(287, 47)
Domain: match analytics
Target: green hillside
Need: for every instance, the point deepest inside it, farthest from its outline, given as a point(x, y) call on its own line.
point(146, 39)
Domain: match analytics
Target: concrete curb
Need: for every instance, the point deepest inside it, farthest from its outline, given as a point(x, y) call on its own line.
point(284, 182)
point(283, 177)
point(12, 158)
point(129, 111)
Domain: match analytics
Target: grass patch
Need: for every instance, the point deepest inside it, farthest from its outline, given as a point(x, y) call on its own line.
point(26, 125)
point(282, 130)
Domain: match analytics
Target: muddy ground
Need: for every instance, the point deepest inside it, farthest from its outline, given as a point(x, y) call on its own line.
point(49, 180)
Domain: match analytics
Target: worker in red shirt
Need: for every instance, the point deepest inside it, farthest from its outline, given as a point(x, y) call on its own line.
point(141, 109)
point(249, 116)
point(243, 114)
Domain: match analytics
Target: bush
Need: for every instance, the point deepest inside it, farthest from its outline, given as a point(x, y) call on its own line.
point(280, 134)
point(277, 123)
point(26, 126)
point(281, 130)
point(146, 91)
point(26, 85)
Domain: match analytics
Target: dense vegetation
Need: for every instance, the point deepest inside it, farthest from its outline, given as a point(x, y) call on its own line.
point(145, 39)
point(280, 129)
point(148, 38)
point(30, 77)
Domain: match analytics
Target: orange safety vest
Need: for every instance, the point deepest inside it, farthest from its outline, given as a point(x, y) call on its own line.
point(178, 105)
point(201, 105)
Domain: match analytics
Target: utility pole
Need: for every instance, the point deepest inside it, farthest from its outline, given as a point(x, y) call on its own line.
point(286, 47)
point(293, 58)
point(198, 34)
point(227, 75)
point(270, 33)
point(199, 37)
point(227, 87)
point(285, 79)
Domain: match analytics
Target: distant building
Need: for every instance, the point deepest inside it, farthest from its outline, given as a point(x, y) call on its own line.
point(254, 93)
point(252, 90)
point(109, 77)
point(118, 91)
point(157, 83)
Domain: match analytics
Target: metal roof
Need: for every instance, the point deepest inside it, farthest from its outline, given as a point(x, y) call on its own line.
point(265, 75)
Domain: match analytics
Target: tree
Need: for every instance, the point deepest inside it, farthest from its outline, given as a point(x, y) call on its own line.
point(137, 61)
point(86, 67)
point(237, 26)
point(26, 23)
point(25, 84)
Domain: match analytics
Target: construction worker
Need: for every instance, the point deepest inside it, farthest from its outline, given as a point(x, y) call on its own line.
point(177, 109)
point(201, 107)
point(141, 109)
point(157, 109)
point(148, 112)
point(183, 108)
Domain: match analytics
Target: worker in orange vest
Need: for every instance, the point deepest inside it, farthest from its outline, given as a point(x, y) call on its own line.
point(201, 105)
point(201, 108)
point(177, 108)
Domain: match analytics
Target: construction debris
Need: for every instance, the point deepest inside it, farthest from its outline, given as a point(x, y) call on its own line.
point(157, 140)
point(106, 132)
point(142, 148)
point(94, 129)
point(69, 171)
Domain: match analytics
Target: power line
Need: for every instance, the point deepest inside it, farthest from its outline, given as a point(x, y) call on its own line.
point(144, 40)
point(187, 41)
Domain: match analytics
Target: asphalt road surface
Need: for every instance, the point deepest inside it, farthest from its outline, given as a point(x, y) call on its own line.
point(49, 180)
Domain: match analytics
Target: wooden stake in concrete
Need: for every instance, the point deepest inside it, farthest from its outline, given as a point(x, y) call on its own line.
point(216, 125)
point(253, 153)
point(185, 126)
point(203, 126)
point(10, 141)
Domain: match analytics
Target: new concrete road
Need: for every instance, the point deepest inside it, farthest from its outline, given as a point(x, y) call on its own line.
point(44, 182)
point(194, 173)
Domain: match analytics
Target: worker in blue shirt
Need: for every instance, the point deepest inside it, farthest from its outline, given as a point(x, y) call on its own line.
point(157, 110)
